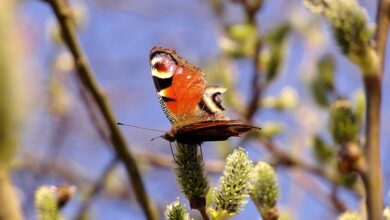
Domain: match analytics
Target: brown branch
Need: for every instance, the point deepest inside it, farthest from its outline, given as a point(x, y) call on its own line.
point(253, 105)
point(372, 83)
point(85, 75)
point(381, 32)
point(373, 175)
point(257, 85)
point(286, 159)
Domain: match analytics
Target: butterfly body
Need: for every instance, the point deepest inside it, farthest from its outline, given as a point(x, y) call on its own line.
point(198, 132)
point(193, 107)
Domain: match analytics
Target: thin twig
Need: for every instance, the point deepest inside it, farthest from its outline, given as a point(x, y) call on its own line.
point(71, 174)
point(96, 188)
point(316, 190)
point(337, 203)
point(285, 159)
point(257, 87)
point(382, 29)
point(90, 107)
point(85, 75)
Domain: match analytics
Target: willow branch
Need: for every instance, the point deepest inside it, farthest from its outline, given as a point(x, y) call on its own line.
point(372, 83)
point(85, 75)
point(12, 99)
point(381, 32)
point(10, 205)
point(372, 177)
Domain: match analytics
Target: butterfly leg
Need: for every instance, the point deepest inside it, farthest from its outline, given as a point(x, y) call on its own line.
point(173, 154)
point(201, 151)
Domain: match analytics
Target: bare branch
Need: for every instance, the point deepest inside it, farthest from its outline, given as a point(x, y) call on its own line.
point(373, 88)
point(85, 75)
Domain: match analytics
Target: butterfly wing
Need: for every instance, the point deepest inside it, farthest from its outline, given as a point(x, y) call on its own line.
point(193, 107)
point(182, 89)
point(179, 84)
point(216, 130)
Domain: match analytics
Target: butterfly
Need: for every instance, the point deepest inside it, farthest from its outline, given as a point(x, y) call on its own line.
point(193, 107)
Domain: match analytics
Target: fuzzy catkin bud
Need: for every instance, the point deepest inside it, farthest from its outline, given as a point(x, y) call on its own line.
point(50, 199)
point(46, 204)
point(350, 216)
point(276, 40)
point(176, 211)
point(323, 152)
point(386, 213)
point(232, 191)
point(350, 29)
point(344, 123)
point(190, 174)
point(243, 38)
point(322, 86)
point(264, 188)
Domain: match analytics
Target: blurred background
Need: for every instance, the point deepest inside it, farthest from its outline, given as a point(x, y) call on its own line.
point(61, 145)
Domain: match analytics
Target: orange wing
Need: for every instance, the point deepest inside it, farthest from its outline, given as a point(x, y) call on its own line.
point(193, 107)
point(179, 84)
point(187, 88)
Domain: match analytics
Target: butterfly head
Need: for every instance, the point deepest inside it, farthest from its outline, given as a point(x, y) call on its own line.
point(169, 136)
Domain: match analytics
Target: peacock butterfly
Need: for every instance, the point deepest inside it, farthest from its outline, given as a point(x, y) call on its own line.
point(193, 107)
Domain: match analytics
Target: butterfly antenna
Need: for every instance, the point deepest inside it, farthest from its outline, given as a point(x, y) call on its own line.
point(134, 126)
point(152, 139)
